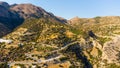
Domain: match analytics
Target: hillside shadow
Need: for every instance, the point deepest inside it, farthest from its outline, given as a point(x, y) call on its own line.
point(79, 55)
point(10, 24)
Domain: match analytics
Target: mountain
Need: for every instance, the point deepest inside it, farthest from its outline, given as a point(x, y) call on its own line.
point(39, 38)
point(32, 11)
point(8, 18)
point(4, 4)
point(14, 15)
point(82, 42)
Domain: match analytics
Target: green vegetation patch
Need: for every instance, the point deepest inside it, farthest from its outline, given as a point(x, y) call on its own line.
point(112, 65)
point(64, 58)
point(103, 40)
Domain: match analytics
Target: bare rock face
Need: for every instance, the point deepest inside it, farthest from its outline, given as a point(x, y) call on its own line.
point(8, 19)
point(4, 29)
point(29, 10)
point(32, 11)
point(4, 12)
point(4, 4)
point(111, 50)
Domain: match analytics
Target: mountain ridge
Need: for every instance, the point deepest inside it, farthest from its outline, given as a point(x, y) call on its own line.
point(14, 15)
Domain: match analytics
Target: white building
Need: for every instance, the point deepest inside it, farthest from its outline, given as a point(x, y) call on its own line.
point(18, 67)
point(33, 66)
point(5, 41)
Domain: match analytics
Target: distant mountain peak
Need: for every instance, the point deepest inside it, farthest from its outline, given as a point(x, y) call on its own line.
point(75, 18)
point(28, 10)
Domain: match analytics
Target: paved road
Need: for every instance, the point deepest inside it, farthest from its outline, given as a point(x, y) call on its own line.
point(38, 61)
point(42, 61)
point(62, 48)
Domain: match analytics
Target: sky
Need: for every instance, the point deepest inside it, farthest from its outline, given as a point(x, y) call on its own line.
point(72, 8)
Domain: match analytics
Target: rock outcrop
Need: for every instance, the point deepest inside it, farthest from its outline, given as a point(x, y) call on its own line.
point(111, 50)
point(4, 4)
point(32, 11)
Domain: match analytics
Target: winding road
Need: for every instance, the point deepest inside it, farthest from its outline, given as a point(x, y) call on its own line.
point(42, 61)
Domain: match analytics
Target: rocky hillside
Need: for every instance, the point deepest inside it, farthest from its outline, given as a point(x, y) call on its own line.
point(4, 4)
point(8, 18)
point(83, 42)
point(106, 32)
point(12, 16)
point(32, 11)
point(43, 35)
point(99, 25)
point(4, 30)
point(45, 40)
point(41, 30)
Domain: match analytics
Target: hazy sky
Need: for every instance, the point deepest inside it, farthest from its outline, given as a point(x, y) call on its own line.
point(81, 8)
